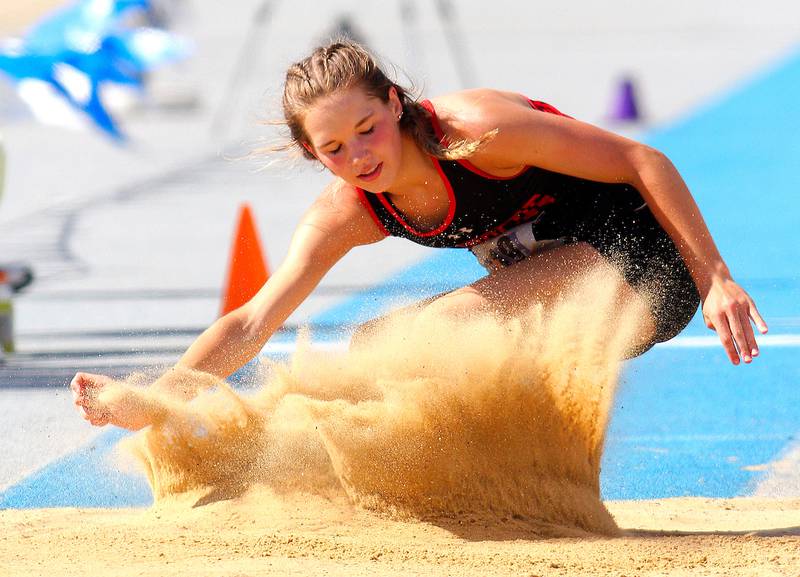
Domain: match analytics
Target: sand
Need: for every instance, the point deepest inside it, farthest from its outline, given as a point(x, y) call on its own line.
point(487, 418)
point(444, 445)
point(261, 534)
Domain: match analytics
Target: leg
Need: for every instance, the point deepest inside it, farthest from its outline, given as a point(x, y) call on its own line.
point(543, 278)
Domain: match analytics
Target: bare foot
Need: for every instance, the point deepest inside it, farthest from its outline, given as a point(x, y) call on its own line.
point(103, 401)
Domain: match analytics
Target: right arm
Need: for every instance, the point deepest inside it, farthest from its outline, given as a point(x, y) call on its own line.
point(237, 337)
point(334, 224)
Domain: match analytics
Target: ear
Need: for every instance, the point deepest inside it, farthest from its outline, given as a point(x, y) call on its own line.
point(394, 101)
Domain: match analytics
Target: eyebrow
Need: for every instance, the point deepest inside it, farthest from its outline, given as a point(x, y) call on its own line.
point(359, 123)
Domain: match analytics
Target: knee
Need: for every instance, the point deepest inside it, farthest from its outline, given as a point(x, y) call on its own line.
point(361, 334)
point(582, 256)
point(367, 332)
point(460, 302)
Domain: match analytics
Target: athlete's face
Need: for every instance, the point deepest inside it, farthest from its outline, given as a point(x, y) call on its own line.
point(357, 137)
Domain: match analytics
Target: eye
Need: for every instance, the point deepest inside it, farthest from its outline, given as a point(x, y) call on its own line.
point(335, 150)
point(369, 130)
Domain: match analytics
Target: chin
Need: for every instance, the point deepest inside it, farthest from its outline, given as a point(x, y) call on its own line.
point(383, 183)
point(376, 186)
point(371, 187)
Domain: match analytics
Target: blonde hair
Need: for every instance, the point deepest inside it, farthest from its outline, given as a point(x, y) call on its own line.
point(342, 65)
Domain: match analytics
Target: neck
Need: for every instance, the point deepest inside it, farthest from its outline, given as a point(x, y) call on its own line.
point(417, 171)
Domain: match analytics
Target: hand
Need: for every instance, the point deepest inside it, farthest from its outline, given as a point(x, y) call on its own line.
point(102, 401)
point(728, 309)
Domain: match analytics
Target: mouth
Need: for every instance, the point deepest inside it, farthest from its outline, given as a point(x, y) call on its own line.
point(372, 174)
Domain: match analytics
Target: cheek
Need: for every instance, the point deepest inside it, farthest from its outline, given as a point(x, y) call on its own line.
point(387, 139)
point(388, 136)
point(334, 163)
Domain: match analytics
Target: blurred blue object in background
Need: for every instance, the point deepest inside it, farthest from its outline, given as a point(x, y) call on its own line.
point(64, 60)
point(80, 26)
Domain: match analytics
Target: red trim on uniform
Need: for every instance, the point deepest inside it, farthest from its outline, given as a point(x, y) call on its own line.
point(362, 196)
point(450, 213)
point(467, 164)
point(437, 129)
point(544, 107)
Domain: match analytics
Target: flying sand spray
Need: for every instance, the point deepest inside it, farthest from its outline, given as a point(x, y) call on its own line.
point(482, 419)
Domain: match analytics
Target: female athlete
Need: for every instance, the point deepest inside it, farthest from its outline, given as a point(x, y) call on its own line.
point(538, 197)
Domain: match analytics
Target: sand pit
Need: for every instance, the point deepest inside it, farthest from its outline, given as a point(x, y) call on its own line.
point(262, 534)
point(436, 446)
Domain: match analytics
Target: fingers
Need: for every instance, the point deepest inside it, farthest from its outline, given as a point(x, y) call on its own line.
point(80, 386)
point(756, 316)
point(720, 324)
point(84, 388)
point(81, 382)
point(744, 345)
point(98, 420)
point(75, 386)
point(739, 318)
point(750, 344)
point(736, 333)
point(728, 310)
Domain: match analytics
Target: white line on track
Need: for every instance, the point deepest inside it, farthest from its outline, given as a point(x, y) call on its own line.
point(688, 342)
point(283, 348)
point(699, 438)
point(713, 341)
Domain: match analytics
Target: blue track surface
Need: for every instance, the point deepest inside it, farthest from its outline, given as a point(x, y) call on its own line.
point(685, 421)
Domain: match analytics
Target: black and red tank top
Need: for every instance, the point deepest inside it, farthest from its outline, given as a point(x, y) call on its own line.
point(484, 206)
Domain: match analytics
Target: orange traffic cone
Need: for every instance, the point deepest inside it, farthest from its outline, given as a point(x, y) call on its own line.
point(247, 271)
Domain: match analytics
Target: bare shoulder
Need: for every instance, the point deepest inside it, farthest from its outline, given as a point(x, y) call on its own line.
point(340, 213)
point(472, 113)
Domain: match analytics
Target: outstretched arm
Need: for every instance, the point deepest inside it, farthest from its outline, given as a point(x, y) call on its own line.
point(237, 337)
point(529, 137)
point(335, 223)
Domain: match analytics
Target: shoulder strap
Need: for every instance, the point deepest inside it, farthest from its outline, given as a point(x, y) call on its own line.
point(437, 127)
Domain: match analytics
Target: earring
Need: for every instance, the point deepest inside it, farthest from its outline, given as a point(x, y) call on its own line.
point(399, 116)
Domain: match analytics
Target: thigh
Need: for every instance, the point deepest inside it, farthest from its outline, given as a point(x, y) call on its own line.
point(551, 277)
point(651, 263)
point(544, 278)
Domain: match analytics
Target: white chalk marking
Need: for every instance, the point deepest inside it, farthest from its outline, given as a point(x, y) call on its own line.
point(291, 347)
point(783, 475)
point(688, 342)
point(707, 341)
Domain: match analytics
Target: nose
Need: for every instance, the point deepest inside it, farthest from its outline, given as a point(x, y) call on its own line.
point(358, 155)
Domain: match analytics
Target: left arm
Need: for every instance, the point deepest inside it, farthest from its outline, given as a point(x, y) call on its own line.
point(528, 137)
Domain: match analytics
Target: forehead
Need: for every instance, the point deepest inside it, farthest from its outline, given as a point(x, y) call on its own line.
point(338, 113)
